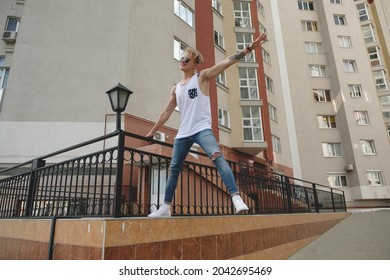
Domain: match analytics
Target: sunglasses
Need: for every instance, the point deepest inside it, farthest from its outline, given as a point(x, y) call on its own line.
point(184, 59)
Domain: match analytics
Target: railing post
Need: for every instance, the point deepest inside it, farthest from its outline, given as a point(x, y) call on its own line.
point(316, 204)
point(119, 174)
point(344, 203)
point(289, 196)
point(333, 204)
point(36, 163)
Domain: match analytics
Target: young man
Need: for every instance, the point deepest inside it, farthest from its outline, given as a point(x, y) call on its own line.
point(191, 95)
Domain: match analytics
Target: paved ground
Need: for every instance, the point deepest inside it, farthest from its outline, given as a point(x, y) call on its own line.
point(365, 235)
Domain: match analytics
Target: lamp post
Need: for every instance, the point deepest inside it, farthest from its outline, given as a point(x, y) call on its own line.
point(119, 95)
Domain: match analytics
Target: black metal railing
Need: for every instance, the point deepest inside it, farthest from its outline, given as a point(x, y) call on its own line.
point(127, 179)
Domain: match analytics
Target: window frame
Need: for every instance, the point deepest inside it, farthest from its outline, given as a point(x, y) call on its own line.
point(306, 5)
point(183, 11)
point(242, 17)
point(340, 19)
point(367, 146)
point(310, 26)
point(242, 41)
point(361, 118)
point(322, 95)
point(314, 48)
point(320, 69)
point(332, 149)
point(355, 93)
point(363, 16)
point(273, 112)
point(333, 178)
point(350, 66)
point(248, 124)
point(276, 144)
point(249, 82)
point(327, 121)
point(223, 117)
point(219, 40)
point(378, 175)
point(345, 42)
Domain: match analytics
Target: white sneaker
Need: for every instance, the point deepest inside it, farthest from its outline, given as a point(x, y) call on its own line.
point(163, 211)
point(239, 204)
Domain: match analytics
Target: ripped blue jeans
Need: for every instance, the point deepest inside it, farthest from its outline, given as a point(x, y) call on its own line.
point(181, 148)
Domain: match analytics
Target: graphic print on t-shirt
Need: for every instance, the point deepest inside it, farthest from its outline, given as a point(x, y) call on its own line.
point(192, 93)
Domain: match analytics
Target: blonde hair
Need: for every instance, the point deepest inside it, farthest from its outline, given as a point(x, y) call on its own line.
point(198, 58)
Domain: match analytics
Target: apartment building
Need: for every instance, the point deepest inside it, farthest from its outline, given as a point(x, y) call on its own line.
point(313, 102)
point(333, 59)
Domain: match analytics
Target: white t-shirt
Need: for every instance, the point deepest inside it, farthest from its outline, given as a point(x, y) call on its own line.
point(194, 106)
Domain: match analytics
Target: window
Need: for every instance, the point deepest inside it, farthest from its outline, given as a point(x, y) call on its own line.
point(12, 24)
point(217, 5)
point(368, 33)
point(242, 14)
point(332, 149)
point(273, 114)
point(374, 178)
point(242, 40)
point(326, 121)
point(263, 29)
point(309, 26)
point(337, 180)
point(388, 130)
point(385, 104)
point(218, 39)
point(260, 7)
point(306, 5)
point(178, 49)
point(339, 19)
point(269, 84)
point(221, 78)
point(361, 118)
point(367, 147)
point(184, 12)
point(374, 55)
point(313, 47)
point(4, 71)
point(276, 144)
point(380, 80)
point(345, 42)
point(251, 123)
point(322, 95)
point(363, 12)
point(335, 1)
point(248, 84)
point(350, 66)
point(355, 91)
point(266, 56)
point(223, 117)
point(318, 71)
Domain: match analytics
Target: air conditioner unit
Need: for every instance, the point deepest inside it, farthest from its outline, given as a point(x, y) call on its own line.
point(9, 36)
point(349, 167)
point(159, 136)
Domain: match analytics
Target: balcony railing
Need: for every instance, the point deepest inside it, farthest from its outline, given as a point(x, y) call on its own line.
point(127, 179)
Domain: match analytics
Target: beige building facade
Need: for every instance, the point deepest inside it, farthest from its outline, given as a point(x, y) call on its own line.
point(314, 102)
point(333, 59)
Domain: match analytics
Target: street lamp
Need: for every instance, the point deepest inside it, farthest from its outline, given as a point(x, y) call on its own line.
point(119, 95)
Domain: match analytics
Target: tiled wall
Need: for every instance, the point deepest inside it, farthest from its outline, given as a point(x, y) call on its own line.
point(227, 237)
